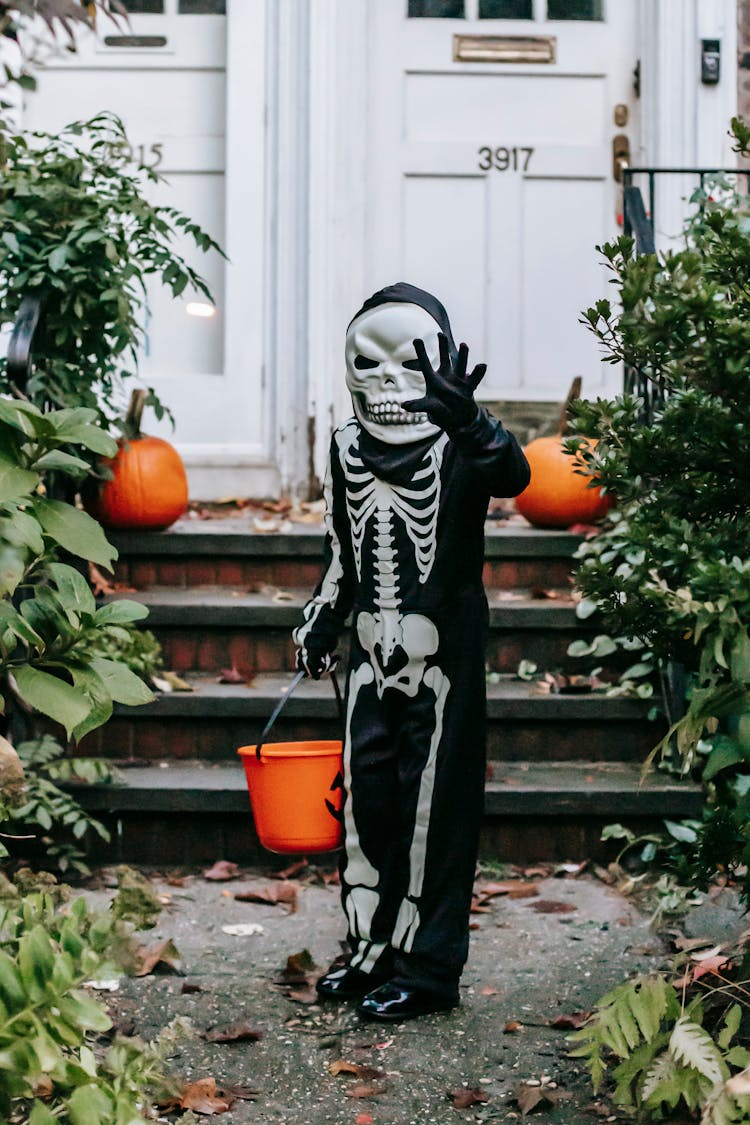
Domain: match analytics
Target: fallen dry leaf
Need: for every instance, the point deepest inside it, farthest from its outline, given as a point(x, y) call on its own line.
point(293, 869)
point(362, 1090)
point(202, 1096)
point(570, 1022)
point(551, 906)
point(285, 893)
point(297, 966)
point(148, 957)
point(222, 870)
point(99, 584)
point(464, 1098)
point(239, 1032)
point(711, 965)
point(512, 888)
point(341, 1066)
point(528, 1097)
point(511, 1026)
point(173, 682)
point(232, 676)
point(488, 992)
point(364, 1119)
point(739, 1085)
point(366, 1073)
point(304, 995)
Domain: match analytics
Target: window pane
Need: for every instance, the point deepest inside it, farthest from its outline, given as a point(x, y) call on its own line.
point(575, 10)
point(155, 7)
point(437, 9)
point(506, 10)
point(203, 7)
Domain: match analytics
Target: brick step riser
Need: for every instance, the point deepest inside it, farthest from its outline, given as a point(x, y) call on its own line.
point(271, 650)
point(144, 739)
point(304, 573)
point(174, 839)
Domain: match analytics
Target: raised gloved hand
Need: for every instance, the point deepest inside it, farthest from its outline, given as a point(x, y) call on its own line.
point(315, 662)
point(449, 399)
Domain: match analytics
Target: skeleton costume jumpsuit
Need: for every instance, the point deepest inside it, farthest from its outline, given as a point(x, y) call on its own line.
point(404, 554)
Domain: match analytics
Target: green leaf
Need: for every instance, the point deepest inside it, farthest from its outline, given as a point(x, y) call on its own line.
point(22, 530)
point(20, 415)
point(739, 659)
point(73, 588)
point(682, 832)
point(586, 608)
point(91, 437)
point(100, 700)
point(121, 612)
point(55, 698)
point(122, 684)
point(15, 482)
point(59, 459)
point(12, 568)
point(725, 754)
point(692, 1045)
point(85, 1012)
point(40, 1115)
point(76, 531)
point(57, 258)
point(89, 1105)
point(731, 1026)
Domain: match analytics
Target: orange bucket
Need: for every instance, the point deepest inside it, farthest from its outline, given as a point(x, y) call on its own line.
point(296, 789)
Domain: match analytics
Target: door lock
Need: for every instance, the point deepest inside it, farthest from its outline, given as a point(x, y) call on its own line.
point(620, 155)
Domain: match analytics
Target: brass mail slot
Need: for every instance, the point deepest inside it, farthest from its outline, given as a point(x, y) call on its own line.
point(505, 48)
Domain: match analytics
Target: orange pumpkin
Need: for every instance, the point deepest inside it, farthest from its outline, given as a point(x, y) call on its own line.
point(149, 488)
point(558, 496)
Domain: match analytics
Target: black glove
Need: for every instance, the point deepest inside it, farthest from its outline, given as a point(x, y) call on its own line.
point(449, 399)
point(315, 661)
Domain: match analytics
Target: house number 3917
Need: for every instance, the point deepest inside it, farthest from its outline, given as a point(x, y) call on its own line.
point(504, 159)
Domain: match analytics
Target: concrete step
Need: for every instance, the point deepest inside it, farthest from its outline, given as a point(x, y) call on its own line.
point(204, 629)
point(186, 812)
point(523, 724)
point(229, 552)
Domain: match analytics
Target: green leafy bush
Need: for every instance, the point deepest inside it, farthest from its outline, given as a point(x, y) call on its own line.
point(78, 232)
point(662, 1057)
point(51, 811)
point(48, 614)
point(53, 1064)
point(670, 571)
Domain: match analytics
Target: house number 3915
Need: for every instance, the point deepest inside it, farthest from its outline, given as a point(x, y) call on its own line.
point(504, 159)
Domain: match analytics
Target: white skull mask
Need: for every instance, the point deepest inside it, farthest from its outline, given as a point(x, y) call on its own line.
point(382, 370)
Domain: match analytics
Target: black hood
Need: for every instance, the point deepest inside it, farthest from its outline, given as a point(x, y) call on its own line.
point(398, 463)
point(407, 294)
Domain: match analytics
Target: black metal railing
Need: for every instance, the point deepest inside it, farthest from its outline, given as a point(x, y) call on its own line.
point(20, 358)
point(639, 221)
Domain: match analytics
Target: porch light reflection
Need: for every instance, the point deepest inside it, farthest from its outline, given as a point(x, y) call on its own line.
point(200, 308)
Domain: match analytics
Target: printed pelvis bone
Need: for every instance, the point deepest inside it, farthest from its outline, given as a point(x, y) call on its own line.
point(378, 344)
point(383, 634)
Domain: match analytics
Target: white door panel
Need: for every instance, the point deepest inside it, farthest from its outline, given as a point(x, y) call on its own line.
point(491, 184)
point(165, 74)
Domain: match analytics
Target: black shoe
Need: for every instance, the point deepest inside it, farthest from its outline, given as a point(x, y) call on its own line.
point(346, 984)
point(391, 1002)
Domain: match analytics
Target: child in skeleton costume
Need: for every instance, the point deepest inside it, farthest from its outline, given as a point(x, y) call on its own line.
point(407, 489)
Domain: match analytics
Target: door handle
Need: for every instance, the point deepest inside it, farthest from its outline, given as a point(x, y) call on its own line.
point(620, 155)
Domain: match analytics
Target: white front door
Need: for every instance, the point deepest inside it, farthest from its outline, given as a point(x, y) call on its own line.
point(490, 172)
point(192, 100)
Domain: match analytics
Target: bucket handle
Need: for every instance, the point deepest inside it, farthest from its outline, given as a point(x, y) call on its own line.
point(282, 703)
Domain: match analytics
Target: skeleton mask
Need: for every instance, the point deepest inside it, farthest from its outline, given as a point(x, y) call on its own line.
point(382, 370)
